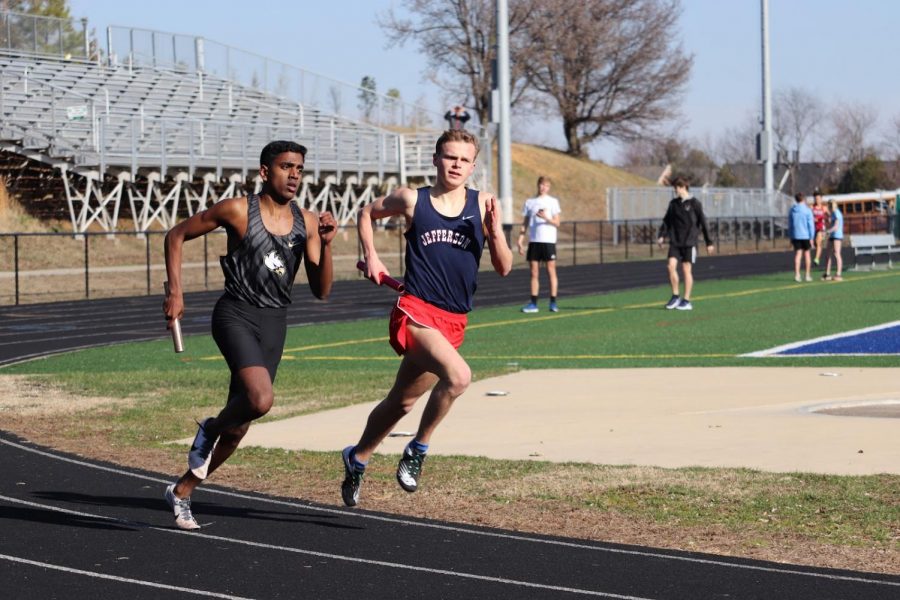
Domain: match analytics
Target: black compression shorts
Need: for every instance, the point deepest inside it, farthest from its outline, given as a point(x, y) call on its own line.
point(249, 336)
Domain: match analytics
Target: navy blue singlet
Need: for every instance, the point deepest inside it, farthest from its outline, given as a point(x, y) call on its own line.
point(443, 253)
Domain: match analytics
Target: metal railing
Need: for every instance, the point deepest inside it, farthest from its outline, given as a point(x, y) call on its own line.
point(43, 267)
point(33, 34)
point(187, 53)
point(649, 202)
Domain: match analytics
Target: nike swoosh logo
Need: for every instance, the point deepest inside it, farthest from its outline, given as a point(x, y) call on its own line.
point(469, 217)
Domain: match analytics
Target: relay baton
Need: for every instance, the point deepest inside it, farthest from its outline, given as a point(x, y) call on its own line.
point(385, 279)
point(177, 340)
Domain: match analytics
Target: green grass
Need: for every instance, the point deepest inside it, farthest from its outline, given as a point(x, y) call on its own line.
point(328, 366)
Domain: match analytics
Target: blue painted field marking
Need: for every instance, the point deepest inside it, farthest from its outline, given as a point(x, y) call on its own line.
point(878, 340)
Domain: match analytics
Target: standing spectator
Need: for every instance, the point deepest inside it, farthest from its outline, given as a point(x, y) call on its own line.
point(820, 216)
point(801, 230)
point(683, 222)
point(457, 117)
point(541, 220)
point(835, 240)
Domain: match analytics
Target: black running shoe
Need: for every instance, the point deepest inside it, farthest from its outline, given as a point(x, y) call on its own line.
point(352, 479)
point(409, 469)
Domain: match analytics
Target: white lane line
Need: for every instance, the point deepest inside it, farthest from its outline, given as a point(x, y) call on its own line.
point(97, 575)
point(493, 534)
point(328, 555)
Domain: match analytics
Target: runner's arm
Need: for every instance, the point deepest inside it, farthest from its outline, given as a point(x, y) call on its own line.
point(320, 231)
point(402, 201)
point(231, 213)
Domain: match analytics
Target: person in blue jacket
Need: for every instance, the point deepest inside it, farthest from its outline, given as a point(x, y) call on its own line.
point(836, 238)
point(801, 230)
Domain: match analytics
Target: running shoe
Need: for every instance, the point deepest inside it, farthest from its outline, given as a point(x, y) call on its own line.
point(685, 305)
point(352, 479)
point(798, 279)
point(531, 307)
point(837, 278)
point(409, 469)
point(809, 278)
point(554, 307)
point(184, 519)
point(826, 277)
point(201, 451)
point(673, 302)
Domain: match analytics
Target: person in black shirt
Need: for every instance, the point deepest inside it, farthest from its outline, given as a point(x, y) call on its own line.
point(457, 118)
point(268, 237)
point(683, 223)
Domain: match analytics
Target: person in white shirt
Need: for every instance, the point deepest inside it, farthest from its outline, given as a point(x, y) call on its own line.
point(541, 222)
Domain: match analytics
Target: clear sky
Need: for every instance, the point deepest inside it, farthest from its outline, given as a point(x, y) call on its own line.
point(841, 50)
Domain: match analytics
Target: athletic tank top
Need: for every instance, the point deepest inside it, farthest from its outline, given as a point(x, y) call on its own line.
point(261, 270)
point(443, 253)
point(819, 217)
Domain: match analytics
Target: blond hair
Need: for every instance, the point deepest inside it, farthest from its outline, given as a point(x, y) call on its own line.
point(456, 135)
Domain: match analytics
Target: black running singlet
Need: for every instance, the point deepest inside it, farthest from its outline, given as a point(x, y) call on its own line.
point(261, 270)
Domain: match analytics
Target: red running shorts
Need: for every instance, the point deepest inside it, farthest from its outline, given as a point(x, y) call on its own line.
point(410, 308)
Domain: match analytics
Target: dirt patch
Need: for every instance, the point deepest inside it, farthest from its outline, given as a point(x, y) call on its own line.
point(32, 396)
point(35, 416)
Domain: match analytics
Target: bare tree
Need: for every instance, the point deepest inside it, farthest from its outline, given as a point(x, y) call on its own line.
point(796, 113)
point(852, 125)
point(458, 37)
point(611, 67)
point(892, 138)
point(737, 145)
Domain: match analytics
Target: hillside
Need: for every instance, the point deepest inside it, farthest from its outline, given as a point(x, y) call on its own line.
point(580, 184)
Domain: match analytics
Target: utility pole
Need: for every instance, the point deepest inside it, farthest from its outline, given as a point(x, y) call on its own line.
point(765, 146)
point(504, 160)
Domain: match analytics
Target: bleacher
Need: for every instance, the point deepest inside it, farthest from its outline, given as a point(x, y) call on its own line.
point(107, 126)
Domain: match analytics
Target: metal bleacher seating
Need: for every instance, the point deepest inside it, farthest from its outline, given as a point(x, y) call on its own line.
point(163, 136)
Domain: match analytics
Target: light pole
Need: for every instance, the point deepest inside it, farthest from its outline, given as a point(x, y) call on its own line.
point(504, 161)
point(766, 138)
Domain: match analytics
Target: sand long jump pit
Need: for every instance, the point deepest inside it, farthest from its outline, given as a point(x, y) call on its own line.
point(819, 420)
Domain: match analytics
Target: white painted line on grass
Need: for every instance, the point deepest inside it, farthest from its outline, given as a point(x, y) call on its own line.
point(97, 575)
point(328, 555)
point(494, 534)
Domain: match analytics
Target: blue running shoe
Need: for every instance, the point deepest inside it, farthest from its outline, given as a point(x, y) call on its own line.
point(673, 302)
point(554, 307)
point(685, 305)
point(531, 307)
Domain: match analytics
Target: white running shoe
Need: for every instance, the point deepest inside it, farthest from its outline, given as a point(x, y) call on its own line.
point(184, 519)
point(200, 454)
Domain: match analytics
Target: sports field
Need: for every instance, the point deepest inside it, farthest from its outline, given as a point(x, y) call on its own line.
point(145, 396)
